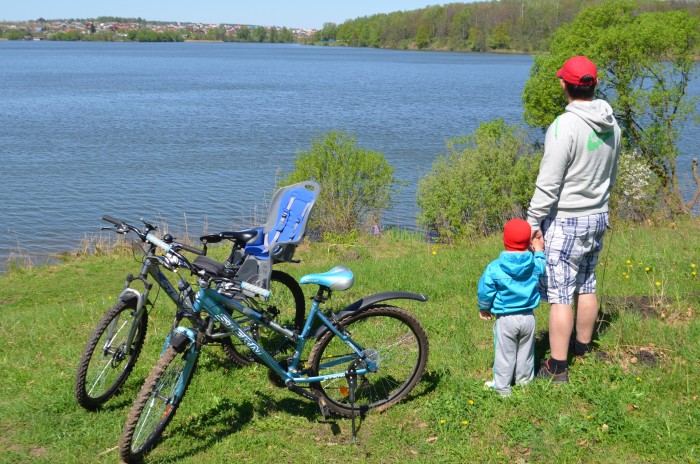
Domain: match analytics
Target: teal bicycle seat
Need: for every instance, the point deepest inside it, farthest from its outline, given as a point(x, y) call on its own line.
point(338, 278)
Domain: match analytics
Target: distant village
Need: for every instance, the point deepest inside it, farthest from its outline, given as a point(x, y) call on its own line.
point(42, 28)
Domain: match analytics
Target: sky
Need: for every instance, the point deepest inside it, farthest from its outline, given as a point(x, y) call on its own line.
point(290, 13)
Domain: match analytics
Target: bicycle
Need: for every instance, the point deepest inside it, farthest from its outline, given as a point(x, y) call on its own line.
point(115, 345)
point(368, 356)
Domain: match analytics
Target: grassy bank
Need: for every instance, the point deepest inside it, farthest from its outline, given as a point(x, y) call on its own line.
point(640, 405)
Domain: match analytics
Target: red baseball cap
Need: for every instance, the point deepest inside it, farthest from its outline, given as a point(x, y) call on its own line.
point(516, 235)
point(577, 68)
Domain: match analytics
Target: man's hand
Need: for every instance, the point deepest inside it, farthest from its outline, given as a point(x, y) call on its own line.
point(537, 241)
point(485, 315)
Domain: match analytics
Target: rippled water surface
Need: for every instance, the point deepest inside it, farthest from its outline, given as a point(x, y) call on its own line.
point(196, 134)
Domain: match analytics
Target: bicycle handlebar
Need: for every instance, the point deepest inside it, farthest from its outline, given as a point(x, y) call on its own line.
point(107, 218)
point(255, 289)
point(148, 236)
point(192, 249)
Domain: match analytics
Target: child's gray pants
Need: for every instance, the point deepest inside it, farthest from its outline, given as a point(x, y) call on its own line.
point(514, 345)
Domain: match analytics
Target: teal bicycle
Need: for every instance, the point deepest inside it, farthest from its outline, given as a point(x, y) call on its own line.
point(113, 348)
point(367, 356)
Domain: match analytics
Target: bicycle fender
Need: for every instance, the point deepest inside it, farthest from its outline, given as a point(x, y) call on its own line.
point(130, 294)
point(370, 300)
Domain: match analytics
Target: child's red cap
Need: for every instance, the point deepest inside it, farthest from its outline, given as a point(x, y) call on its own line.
point(516, 235)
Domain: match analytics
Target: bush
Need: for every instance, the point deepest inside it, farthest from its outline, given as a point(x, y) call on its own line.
point(357, 185)
point(635, 195)
point(483, 180)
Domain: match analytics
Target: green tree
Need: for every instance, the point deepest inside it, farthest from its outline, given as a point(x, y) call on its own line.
point(327, 33)
point(483, 180)
point(423, 36)
point(243, 34)
point(357, 184)
point(645, 61)
point(285, 35)
point(17, 34)
point(499, 38)
point(272, 35)
point(460, 24)
point(259, 34)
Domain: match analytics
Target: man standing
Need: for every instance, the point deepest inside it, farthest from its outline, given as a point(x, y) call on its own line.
point(570, 207)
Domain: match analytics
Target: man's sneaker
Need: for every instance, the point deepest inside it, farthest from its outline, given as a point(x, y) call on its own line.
point(545, 373)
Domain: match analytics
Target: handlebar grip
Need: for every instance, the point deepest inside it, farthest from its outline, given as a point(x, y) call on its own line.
point(255, 289)
point(114, 221)
point(158, 242)
point(192, 249)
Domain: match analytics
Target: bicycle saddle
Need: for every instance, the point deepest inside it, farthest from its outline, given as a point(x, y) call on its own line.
point(243, 236)
point(338, 278)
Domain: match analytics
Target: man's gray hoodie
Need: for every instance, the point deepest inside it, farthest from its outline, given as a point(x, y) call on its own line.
point(578, 169)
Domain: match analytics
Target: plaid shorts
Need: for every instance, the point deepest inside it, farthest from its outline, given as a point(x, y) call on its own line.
point(572, 247)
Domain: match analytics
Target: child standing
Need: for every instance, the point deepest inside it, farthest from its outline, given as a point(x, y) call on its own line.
point(508, 289)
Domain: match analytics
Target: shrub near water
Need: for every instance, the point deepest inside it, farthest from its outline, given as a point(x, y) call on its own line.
point(357, 184)
point(485, 178)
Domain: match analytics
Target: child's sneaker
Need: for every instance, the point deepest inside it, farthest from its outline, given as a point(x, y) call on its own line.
point(489, 384)
point(545, 373)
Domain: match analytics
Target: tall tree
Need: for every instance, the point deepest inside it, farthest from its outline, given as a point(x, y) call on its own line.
point(645, 61)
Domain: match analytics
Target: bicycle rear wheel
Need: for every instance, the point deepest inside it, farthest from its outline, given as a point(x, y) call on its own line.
point(286, 306)
point(156, 403)
point(392, 338)
point(106, 362)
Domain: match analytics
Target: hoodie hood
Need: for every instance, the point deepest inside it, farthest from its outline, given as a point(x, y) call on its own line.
point(597, 113)
point(517, 264)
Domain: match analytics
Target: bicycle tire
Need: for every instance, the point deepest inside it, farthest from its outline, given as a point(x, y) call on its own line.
point(286, 306)
point(103, 367)
point(155, 405)
point(393, 339)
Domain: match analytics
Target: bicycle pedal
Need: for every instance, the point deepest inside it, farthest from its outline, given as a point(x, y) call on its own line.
point(325, 412)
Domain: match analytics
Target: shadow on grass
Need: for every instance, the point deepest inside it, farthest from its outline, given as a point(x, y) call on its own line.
point(204, 430)
point(226, 417)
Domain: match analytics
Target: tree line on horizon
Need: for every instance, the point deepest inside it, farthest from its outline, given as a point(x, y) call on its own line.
point(141, 30)
point(506, 25)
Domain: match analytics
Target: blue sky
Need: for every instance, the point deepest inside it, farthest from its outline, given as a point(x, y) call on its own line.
point(291, 13)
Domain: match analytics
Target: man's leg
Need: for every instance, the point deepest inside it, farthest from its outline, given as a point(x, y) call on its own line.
point(561, 323)
point(586, 317)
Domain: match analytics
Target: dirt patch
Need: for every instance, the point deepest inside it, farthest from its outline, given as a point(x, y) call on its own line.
point(36, 452)
point(646, 356)
point(10, 300)
point(652, 307)
point(643, 305)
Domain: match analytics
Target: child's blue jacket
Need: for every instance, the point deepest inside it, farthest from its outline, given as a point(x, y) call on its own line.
point(509, 283)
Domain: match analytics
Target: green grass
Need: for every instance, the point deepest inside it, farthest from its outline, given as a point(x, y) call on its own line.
point(641, 405)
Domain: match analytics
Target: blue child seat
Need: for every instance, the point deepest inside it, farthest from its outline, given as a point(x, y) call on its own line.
point(277, 240)
point(286, 225)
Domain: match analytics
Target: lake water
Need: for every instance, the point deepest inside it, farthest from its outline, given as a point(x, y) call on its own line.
point(196, 134)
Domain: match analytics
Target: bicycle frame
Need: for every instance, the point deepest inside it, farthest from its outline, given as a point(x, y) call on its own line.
point(213, 303)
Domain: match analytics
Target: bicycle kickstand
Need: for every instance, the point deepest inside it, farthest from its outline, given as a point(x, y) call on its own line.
point(351, 376)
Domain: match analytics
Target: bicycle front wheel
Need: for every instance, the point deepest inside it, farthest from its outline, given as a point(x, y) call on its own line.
point(156, 403)
point(108, 358)
point(392, 339)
